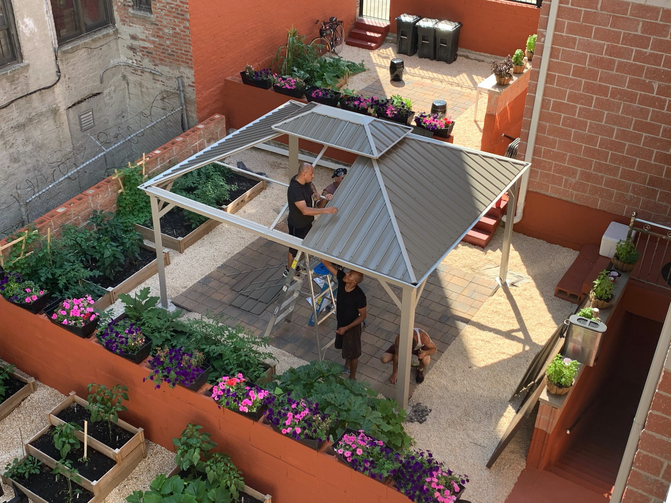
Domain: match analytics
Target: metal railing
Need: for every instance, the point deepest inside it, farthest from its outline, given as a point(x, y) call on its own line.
point(652, 241)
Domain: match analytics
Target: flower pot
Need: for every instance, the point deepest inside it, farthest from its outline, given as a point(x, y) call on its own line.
point(392, 482)
point(36, 306)
point(263, 84)
point(254, 416)
point(141, 355)
point(502, 81)
point(444, 133)
point(556, 390)
point(330, 101)
point(353, 109)
point(406, 121)
point(83, 332)
point(601, 304)
point(294, 93)
point(422, 131)
point(529, 54)
point(518, 68)
point(198, 383)
point(312, 443)
point(622, 266)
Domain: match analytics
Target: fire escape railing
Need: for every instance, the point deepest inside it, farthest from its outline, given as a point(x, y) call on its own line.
point(652, 240)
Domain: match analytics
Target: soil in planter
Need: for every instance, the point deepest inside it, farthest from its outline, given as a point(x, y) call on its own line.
point(175, 224)
point(100, 430)
point(97, 466)
point(46, 486)
point(12, 386)
point(129, 268)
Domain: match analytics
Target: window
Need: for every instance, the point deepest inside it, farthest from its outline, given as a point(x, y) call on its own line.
point(77, 17)
point(9, 46)
point(142, 5)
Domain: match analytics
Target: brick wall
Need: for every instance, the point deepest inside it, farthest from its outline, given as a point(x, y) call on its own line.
point(650, 475)
point(605, 127)
point(102, 196)
point(489, 26)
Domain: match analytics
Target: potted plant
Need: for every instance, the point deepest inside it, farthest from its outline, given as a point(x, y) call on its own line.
point(76, 316)
point(261, 78)
point(25, 294)
point(518, 61)
point(367, 455)
point(355, 103)
point(503, 71)
point(298, 419)
point(531, 46)
point(396, 109)
point(233, 394)
point(440, 126)
point(122, 337)
point(601, 294)
point(178, 367)
point(289, 86)
point(626, 255)
point(560, 375)
point(591, 313)
point(323, 95)
point(424, 479)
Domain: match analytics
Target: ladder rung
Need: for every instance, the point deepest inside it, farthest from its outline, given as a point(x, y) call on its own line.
point(289, 300)
point(323, 318)
point(283, 315)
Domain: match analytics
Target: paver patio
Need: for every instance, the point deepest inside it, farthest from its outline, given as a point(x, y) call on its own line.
point(449, 301)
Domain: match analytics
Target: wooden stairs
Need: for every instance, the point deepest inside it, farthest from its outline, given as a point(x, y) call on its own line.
point(482, 233)
point(368, 33)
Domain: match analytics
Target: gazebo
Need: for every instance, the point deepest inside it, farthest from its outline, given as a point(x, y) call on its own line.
point(406, 202)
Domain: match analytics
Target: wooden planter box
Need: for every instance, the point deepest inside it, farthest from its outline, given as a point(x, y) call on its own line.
point(129, 455)
point(129, 284)
point(101, 487)
point(34, 498)
point(15, 400)
point(181, 244)
point(266, 498)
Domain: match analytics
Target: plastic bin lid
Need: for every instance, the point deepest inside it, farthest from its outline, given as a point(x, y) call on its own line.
point(447, 25)
point(426, 23)
point(408, 18)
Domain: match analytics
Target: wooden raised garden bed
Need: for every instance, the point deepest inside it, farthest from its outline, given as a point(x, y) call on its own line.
point(13, 401)
point(182, 243)
point(129, 284)
point(129, 454)
point(263, 498)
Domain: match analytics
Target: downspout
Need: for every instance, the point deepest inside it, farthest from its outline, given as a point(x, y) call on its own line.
point(654, 374)
point(535, 114)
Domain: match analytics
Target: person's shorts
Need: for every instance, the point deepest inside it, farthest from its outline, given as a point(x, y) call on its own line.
point(351, 343)
point(299, 232)
point(392, 349)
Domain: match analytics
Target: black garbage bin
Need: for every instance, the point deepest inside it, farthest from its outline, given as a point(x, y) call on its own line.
point(406, 34)
point(426, 38)
point(447, 40)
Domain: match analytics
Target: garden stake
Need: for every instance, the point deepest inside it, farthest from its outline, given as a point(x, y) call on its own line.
point(86, 439)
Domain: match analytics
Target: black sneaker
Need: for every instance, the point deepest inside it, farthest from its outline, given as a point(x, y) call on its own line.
point(297, 273)
point(419, 378)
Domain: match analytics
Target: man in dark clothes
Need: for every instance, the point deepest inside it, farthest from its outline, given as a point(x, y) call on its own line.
point(301, 212)
point(350, 313)
point(338, 176)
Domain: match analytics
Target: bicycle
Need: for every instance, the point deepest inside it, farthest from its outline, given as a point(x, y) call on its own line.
point(331, 37)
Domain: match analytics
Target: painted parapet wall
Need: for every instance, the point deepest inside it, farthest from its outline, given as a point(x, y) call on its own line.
point(287, 470)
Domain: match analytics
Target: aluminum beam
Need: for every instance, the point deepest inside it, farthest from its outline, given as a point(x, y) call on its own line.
point(405, 345)
point(508, 233)
point(158, 242)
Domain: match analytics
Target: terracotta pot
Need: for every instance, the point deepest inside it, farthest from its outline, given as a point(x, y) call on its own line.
point(621, 266)
point(518, 68)
point(556, 390)
point(503, 81)
point(598, 303)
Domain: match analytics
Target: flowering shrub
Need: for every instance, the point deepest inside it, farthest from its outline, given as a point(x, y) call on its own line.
point(432, 122)
point(299, 419)
point(423, 479)
point(75, 312)
point(356, 102)
point(234, 394)
point(323, 92)
point(368, 455)
point(264, 74)
point(122, 336)
point(175, 366)
point(289, 83)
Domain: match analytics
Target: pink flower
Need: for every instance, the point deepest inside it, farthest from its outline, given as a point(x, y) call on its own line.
point(359, 452)
point(65, 322)
point(54, 316)
point(28, 290)
point(27, 300)
point(34, 297)
point(41, 292)
point(284, 431)
point(298, 430)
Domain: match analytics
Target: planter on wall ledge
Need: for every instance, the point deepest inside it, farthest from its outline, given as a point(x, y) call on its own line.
point(503, 81)
point(294, 93)
point(330, 101)
point(83, 332)
point(598, 303)
point(36, 306)
point(262, 84)
point(556, 390)
point(622, 266)
point(200, 382)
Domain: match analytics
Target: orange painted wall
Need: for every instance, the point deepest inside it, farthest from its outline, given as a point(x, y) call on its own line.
point(490, 26)
point(271, 463)
point(508, 121)
point(226, 36)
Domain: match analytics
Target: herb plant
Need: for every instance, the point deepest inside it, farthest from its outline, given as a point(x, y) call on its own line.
point(591, 313)
point(221, 470)
point(23, 469)
point(518, 57)
point(368, 455)
point(175, 366)
point(503, 68)
point(5, 370)
point(531, 42)
point(65, 439)
point(603, 287)
point(562, 371)
point(423, 479)
point(104, 404)
point(66, 470)
point(625, 251)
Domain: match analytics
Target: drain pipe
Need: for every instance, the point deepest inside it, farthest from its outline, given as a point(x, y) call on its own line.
point(535, 114)
point(654, 374)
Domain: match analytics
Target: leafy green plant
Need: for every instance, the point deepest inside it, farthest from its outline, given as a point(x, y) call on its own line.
point(531, 42)
point(137, 306)
point(23, 469)
point(176, 490)
point(399, 101)
point(625, 251)
point(206, 185)
point(133, 203)
point(156, 323)
point(603, 287)
point(562, 371)
point(5, 369)
point(354, 404)
point(518, 57)
point(192, 449)
point(71, 474)
point(104, 404)
point(591, 313)
point(220, 470)
point(65, 439)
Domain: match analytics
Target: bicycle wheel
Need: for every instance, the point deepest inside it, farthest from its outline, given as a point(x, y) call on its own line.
point(321, 45)
point(338, 40)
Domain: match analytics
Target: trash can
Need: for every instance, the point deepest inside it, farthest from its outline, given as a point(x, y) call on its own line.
point(406, 34)
point(447, 40)
point(396, 70)
point(426, 38)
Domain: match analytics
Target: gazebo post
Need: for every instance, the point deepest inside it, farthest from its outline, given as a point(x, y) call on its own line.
point(158, 242)
point(408, 305)
point(508, 233)
point(293, 156)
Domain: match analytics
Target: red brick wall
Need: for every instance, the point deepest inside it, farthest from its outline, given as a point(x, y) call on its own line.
point(650, 475)
point(226, 36)
point(605, 125)
point(507, 121)
point(490, 26)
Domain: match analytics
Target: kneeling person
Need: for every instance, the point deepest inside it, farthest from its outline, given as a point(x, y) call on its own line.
point(422, 347)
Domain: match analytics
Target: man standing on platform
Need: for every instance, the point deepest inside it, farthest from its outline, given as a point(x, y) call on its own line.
point(350, 313)
point(338, 176)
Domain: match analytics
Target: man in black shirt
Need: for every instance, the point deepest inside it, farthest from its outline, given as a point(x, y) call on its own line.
point(350, 313)
point(301, 212)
